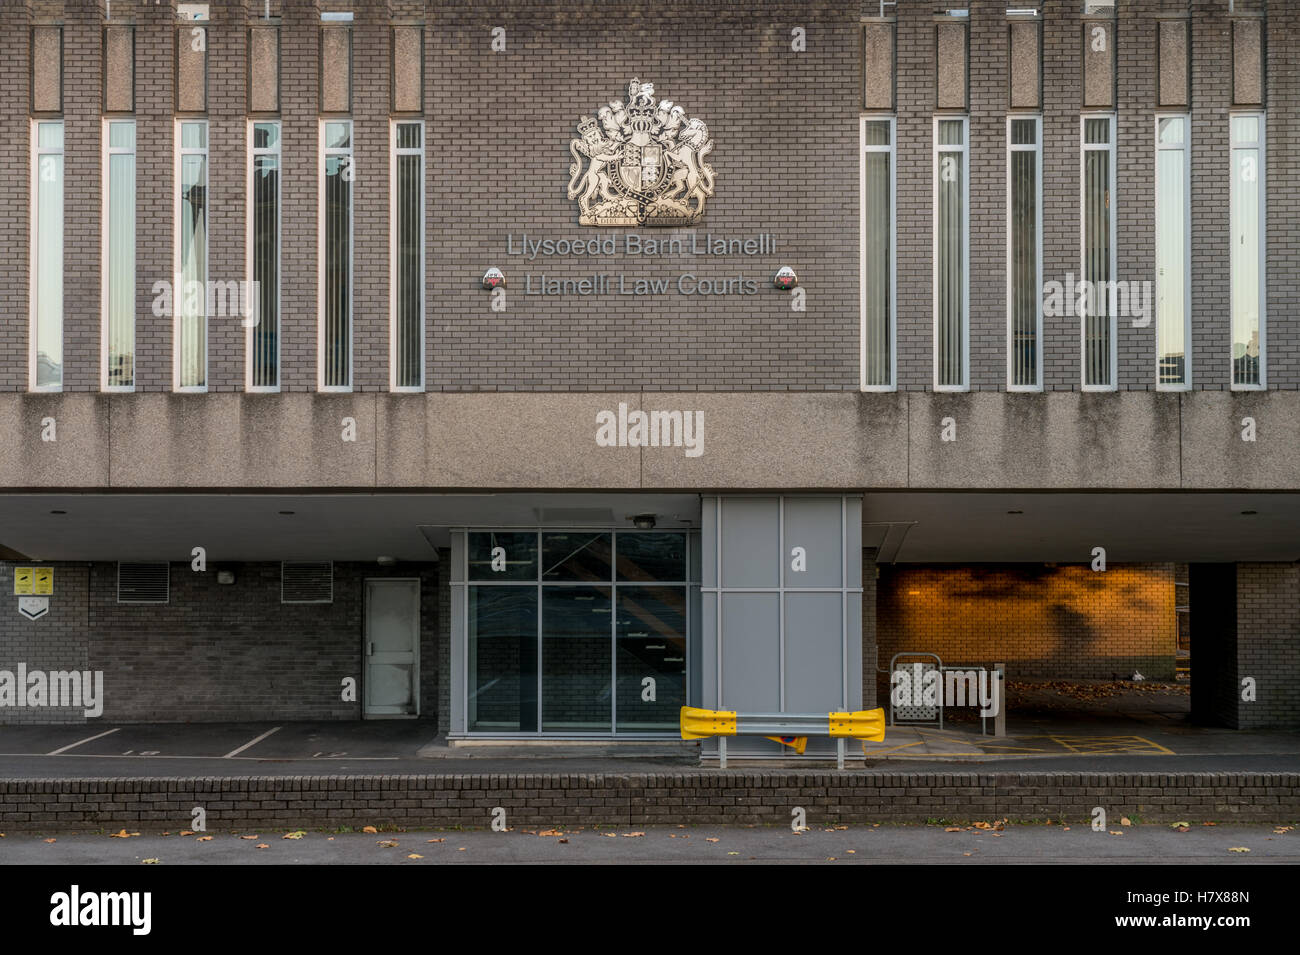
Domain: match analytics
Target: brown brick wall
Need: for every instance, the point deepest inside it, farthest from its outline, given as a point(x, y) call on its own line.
point(639, 799)
point(1065, 622)
point(1268, 644)
point(213, 652)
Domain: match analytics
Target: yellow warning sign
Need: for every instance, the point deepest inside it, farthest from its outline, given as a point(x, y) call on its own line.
point(23, 583)
point(44, 580)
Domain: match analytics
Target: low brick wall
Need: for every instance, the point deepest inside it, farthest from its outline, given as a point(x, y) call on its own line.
point(637, 799)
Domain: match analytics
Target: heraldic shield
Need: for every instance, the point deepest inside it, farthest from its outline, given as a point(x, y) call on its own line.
point(640, 163)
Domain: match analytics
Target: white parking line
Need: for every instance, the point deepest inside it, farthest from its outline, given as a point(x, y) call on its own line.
point(251, 742)
point(80, 741)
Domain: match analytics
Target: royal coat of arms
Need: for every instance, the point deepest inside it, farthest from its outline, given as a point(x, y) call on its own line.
point(647, 163)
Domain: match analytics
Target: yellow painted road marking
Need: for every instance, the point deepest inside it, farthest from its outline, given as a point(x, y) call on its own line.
point(1061, 745)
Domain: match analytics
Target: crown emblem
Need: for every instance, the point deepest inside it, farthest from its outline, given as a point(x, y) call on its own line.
point(640, 163)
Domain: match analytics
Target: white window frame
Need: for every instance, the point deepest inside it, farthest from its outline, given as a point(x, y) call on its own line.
point(323, 153)
point(863, 149)
point(1037, 149)
point(1084, 149)
point(105, 196)
point(253, 153)
point(1262, 145)
point(1186, 148)
point(178, 294)
point(393, 153)
point(964, 150)
point(34, 245)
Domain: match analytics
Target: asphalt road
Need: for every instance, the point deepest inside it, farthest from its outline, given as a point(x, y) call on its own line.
point(852, 845)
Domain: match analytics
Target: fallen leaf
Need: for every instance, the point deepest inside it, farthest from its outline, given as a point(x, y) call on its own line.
point(840, 828)
point(1280, 830)
point(187, 832)
point(706, 839)
point(461, 849)
point(828, 858)
point(632, 835)
point(1114, 832)
point(435, 840)
point(966, 853)
point(123, 835)
point(550, 832)
point(1065, 828)
point(733, 853)
point(369, 829)
point(203, 839)
point(261, 845)
point(387, 843)
point(51, 840)
point(1209, 823)
point(297, 834)
point(851, 852)
point(953, 829)
point(414, 855)
point(1238, 849)
point(611, 835)
point(150, 861)
point(1125, 821)
point(564, 840)
point(1184, 826)
point(248, 837)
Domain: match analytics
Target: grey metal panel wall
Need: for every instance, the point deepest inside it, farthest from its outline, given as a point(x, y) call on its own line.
point(782, 614)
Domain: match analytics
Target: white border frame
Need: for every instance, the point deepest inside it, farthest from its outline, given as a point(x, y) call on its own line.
point(105, 196)
point(322, 153)
point(964, 151)
point(892, 150)
point(393, 153)
point(1186, 148)
point(178, 294)
point(1084, 149)
point(1037, 149)
point(253, 153)
point(1262, 146)
point(33, 296)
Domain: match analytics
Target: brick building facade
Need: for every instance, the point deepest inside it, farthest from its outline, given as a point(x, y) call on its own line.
point(984, 491)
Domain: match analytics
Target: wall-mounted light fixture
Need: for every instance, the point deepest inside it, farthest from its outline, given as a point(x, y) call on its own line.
point(225, 576)
point(644, 522)
point(785, 279)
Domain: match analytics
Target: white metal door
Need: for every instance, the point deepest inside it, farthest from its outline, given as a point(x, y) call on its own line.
point(392, 648)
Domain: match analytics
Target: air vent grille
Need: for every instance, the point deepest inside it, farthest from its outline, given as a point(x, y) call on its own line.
point(143, 583)
point(307, 582)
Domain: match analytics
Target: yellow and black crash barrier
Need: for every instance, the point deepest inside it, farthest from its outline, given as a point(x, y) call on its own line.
point(788, 729)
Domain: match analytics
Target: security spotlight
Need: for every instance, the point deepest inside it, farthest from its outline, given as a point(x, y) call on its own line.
point(385, 561)
point(644, 522)
point(493, 277)
point(225, 577)
point(785, 278)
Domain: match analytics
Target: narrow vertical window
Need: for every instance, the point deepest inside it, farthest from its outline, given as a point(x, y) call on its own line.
point(190, 300)
point(47, 252)
point(1024, 253)
point(336, 251)
point(878, 254)
point(264, 253)
point(950, 255)
point(1247, 254)
point(1173, 251)
point(119, 256)
point(408, 257)
point(1098, 200)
